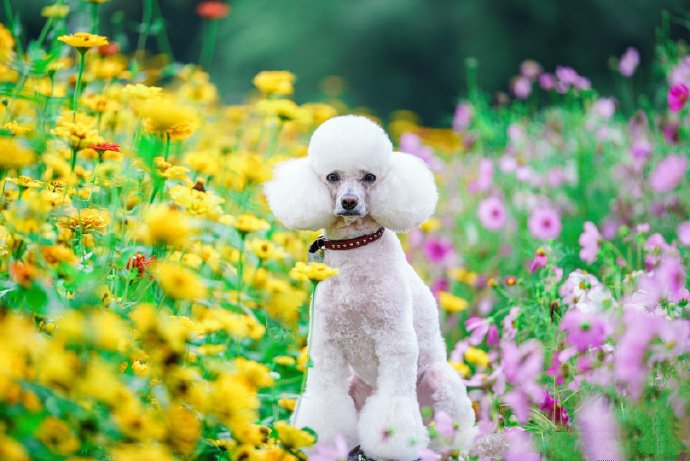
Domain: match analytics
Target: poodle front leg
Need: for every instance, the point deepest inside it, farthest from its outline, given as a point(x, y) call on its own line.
point(441, 387)
point(390, 423)
point(325, 405)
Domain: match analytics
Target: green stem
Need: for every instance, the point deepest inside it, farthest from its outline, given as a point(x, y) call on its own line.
point(209, 43)
point(145, 26)
point(73, 163)
point(167, 146)
point(44, 32)
point(77, 88)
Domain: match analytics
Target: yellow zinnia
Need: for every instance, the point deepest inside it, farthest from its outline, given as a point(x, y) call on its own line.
point(477, 356)
point(275, 82)
point(83, 41)
point(316, 272)
point(178, 282)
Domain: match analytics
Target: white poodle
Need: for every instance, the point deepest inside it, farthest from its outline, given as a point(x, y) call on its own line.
point(377, 351)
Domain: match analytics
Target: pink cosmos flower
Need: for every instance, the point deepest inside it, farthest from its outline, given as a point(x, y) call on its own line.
point(438, 250)
point(630, 368)
point(521, 366)
point(492, 213)
point(677, 97)
point(589, 243)
point(683, 231)
point(520, 446)
point(604, 108)
point(629, 62)
point(599, 429)
point(668, 173)
point(427, 454)
point(326, 452)
point(530, 69)
point(412, 144)
point(544, 224)
point(539, 261)
point(480, 328)
point(485, 175)
point(585, 330)
point(641, 150)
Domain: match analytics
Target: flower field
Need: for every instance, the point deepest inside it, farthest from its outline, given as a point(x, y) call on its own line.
point(152, 308)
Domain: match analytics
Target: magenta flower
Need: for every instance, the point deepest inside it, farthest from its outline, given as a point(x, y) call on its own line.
point(544, 224)
point(521, 367)
point(485, 175)
point(556, 412)
point(326, 452)
point(438, 250)
point(599, 429)
point(589, 243)
point(629, 62)
point(677, 97)
point(585, 330)
point(480, 328)
point(492, 213)
point(539, 261)
point(604, 108)
point(683, 231)
point(668, 173)
point(641, 150)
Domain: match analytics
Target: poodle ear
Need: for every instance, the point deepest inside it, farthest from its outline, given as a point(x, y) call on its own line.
point(406, 196)
point(297, 197)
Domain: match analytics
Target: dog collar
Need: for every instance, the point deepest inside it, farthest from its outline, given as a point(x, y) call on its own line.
point(349, 244)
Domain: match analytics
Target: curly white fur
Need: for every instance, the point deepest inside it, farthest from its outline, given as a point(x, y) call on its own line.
point(376, 346)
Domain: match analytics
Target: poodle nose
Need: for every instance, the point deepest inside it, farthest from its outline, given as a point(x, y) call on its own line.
point(349, 202)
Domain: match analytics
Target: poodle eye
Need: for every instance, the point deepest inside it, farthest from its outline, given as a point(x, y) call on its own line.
point(333, 177)
point(369, 177)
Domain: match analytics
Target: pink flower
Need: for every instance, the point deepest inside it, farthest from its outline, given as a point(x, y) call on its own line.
point(484, 177)
point(604, 107)
point(668, 173)
point(492, 213)
point(539, 261)
point(630, 367)
point(640, 150)
point(683, 231)
point(427, 454)
point(462, 117)
point(589, 243)
point(629, 62)
point(438, 250)
point(547, 81)
point(520, 447)
point(599, 430)
point(530, 69)
point(521, 367)
point(325, 452)
point(444, 424)
point(677, 97)
point(544, 224)
point(480, 328)
point(585, 330)
point(522, 87)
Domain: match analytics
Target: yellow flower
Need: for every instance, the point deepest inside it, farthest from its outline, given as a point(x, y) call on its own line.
point(253, 374)
point(195, 202)
point(285, 360)
point(278, 82)
point(6, 44)
point(430, 225)
point(56, 11)
point(233, 402)
point(184, 429)
point(165, 117)
point(461, 367)
point(247, 223)
point(11, 450)
point(288, 404)
point(57, 436)
point(451, 303)
point(284, 109)
point(165, 226)
point(77, 134)
point(179, 282)
point(291, 437)
point(316, 272)
point(14, 155)
point(477, 357)
point(88, 219)
point(15, 128)
point(463, 275)
point(141, 452)
point(82, 41)
point(320, 112)
point(264, 249)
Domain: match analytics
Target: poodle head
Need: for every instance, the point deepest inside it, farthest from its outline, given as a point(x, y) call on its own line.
point(352, 171)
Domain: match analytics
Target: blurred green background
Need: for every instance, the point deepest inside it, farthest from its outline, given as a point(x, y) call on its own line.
point(399, 54)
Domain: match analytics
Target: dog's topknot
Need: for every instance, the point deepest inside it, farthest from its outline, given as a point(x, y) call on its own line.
point(353, 141)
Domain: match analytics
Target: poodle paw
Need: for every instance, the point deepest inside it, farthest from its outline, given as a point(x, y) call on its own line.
point(328, 415)
point(390, 427)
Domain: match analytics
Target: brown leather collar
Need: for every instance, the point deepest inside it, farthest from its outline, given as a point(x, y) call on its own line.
point(349, 244)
